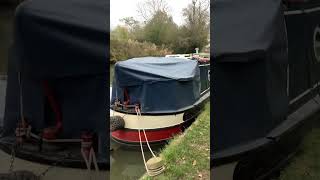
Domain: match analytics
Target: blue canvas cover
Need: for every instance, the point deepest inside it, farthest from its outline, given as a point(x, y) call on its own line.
point(158, 84)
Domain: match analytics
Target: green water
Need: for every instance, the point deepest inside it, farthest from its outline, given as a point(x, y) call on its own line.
point(111, 72)
point(127, 163)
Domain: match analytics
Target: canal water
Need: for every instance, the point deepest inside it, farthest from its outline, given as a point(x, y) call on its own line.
point(111, 73)
point(127, 162)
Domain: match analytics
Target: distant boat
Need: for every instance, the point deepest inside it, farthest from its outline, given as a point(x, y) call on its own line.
point(170, 92)
point(186, 56)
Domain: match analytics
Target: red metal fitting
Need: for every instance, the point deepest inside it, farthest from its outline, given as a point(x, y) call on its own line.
point(50, 133)
point(86, 142)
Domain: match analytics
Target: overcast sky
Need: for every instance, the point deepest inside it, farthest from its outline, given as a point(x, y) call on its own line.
point(126, 8)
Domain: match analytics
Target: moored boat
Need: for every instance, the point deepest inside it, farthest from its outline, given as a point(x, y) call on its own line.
point(266, 85)
point(55, 87)
point(169, 93)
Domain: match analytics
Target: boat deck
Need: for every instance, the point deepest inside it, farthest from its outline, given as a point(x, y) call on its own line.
point(54, 173)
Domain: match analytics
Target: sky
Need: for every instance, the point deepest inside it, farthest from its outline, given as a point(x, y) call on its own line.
point(126, 8)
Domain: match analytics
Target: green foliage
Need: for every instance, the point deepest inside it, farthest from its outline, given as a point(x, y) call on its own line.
point(120, 33)
point(134, 28)
point(159, 35)
point(125, 49)
point(160, 29)
point(196, 30)
point(130, 22)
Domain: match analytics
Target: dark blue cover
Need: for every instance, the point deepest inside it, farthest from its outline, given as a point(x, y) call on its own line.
point(55, 39)
point(250, 71)
point(158, 84)
point(65, 43)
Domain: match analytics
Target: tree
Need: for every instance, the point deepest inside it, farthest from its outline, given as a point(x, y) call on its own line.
point(161, 29)
point(120, 33)
point(130, 22)
point(149, 8)
point(197, 24)
point(134, 27)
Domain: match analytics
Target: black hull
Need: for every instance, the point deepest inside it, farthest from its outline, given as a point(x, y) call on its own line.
point(261, 154)
point(271, 153)
point(62, 154)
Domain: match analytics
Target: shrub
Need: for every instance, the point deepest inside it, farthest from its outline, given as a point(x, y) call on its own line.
point(126, 49)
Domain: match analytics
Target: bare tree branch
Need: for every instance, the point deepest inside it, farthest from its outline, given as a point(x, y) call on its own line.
point(148, 8)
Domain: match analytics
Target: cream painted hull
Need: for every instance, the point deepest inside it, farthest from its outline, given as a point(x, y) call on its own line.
point(149, 122)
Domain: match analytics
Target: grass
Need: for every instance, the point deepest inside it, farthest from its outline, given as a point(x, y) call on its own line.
point(187, 156)
point(306, 164)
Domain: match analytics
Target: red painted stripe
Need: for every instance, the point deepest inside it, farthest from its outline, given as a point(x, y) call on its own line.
point(53, 103)
point(132, 136)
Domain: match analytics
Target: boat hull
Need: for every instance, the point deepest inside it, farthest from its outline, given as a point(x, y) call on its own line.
point(153, 136)
point(158, 128)
point(263, 158)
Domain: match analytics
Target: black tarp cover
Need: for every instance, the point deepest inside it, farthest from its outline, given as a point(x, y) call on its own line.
point(247, 28)
point(61, 38)
point(159, 84)
point(65, 43)
point(249, 71)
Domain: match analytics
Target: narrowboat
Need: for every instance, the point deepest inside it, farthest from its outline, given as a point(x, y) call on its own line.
point(55, 94)
point(161, 95)
point(266, 76)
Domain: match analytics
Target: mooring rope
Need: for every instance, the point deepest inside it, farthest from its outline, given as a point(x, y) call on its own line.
point(142, 152)
point(144, 132)
point(88, 153)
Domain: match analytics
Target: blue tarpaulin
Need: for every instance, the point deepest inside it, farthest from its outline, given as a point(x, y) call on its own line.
point(158, 84)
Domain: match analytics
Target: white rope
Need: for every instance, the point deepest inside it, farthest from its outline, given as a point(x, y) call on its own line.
point(85, 159)
point(95, 163)
point(91, 156)
point(145, 135)
point(142, 152)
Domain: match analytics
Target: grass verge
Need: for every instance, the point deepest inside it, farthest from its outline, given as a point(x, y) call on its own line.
point(306, 164)
point(187, 156)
